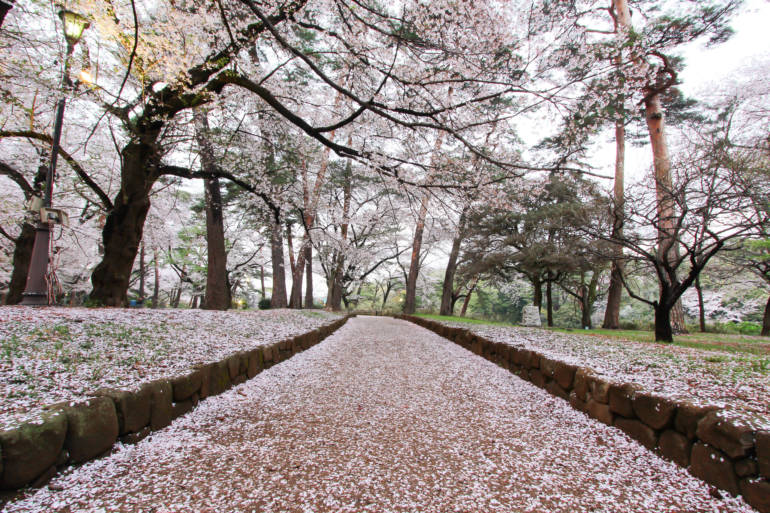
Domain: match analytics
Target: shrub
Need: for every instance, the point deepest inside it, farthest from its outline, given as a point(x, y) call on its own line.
point(264, 303)
point(742, 328)
point(636, 325)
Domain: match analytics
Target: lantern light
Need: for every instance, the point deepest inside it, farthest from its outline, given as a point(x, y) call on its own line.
point(74, 25)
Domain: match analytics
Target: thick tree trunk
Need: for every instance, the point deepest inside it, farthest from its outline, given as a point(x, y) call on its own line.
point(278, 298)
point(22, 254)
point(217, 292)
point(218, 295)
point(335, 297)
point(701, 309)
point(663, 332)
point(309, 276)
point(537, 292)
point(4, 10)
point(410, 301)
point(447, 292)
point(612, 313)
point(549, 302)
point(585, 308)
point(766, 320)
point(124, 225)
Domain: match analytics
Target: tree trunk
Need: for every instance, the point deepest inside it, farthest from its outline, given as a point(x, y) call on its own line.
point(385, 293)
point(663, 332)
point(451, 267)
point(290, 245)
point(156, 289)
point(537, 291)
point(309, 276)
point(701, 310)
point(455, 298)
point(22, 255)
point(194, 302)
point(335, 297)
point(295, 298)
point(142, 272)
point(766, 320)
point(125, 222)
point(262, 280)
point(549, 302)
point(177, 297)
point(585, 308)
point(668, 243)
point(218, 295)
point(217, 292)
point(278, 298)
point(410, 301)
point(467, 301)
point(612, 313)
point(337, 276)
point(4, 10)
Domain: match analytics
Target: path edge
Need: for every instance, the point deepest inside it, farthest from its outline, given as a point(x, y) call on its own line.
point(725, 451)
point(72, 433)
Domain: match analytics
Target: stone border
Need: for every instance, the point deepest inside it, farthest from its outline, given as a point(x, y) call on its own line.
point(74, 432)
point(725, 452)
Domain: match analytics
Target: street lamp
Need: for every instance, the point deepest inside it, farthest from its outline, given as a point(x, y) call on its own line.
point(36, 290)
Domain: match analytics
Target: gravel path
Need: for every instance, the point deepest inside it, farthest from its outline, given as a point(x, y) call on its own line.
point(382, 416)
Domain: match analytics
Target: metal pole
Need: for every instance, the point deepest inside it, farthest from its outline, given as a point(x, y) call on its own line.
point(36, 289)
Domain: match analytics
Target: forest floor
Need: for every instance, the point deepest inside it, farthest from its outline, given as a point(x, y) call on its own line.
point(382, 416)
point(49, 355)
point(732, 371)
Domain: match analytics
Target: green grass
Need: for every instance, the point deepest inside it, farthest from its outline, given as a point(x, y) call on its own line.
point(704, 341)
point(453, 318)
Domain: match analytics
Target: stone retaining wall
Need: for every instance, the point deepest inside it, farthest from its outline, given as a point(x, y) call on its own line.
point(729, 453)
point(71, 433)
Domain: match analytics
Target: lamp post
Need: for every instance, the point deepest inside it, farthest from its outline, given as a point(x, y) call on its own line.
point(36, 290)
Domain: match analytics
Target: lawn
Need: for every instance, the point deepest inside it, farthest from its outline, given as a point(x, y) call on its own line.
point(728, 370)
point(63, 354)
point(708, 341)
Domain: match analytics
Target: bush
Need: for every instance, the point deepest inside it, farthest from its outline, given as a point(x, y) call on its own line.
point(742, 328)
point(264, 303)
point(636, 326)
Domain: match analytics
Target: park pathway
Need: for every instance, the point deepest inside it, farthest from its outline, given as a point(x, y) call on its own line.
point(382, 416)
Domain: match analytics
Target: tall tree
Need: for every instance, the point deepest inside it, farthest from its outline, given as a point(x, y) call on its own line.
point(622, 20)
point(217, 287)
point(709, 20)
